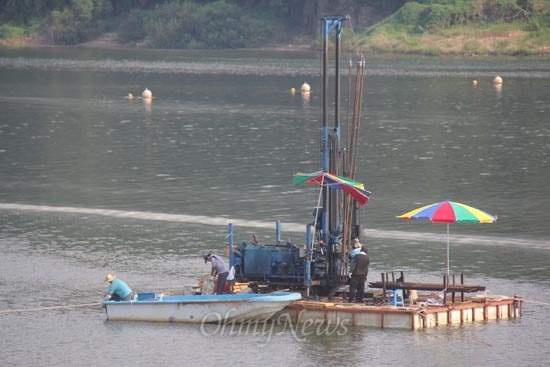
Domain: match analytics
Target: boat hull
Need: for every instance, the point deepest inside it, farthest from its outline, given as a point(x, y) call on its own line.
point(200, 308)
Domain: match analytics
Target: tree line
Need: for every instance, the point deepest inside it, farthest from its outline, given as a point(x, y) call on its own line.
point(246, 23)
point(174, 23)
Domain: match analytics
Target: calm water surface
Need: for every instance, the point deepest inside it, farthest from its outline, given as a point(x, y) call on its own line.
point(92, 182)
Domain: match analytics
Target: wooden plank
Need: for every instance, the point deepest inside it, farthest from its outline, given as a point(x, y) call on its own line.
point(437, 287)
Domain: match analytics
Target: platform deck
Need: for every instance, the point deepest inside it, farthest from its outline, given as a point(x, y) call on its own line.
point(411, 317)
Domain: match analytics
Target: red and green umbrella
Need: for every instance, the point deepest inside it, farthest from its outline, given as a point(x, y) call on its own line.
point(354, 188)
point(449, 212)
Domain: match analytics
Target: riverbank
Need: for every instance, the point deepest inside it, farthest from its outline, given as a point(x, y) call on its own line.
point(106, 40)
point(461, 41)
point(455, 44)
point(109, 41)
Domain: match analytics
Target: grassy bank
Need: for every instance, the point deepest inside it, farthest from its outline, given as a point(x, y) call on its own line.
point(472, 40)
point(464, 27)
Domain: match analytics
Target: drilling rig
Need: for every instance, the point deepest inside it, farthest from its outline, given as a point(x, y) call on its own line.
point(319, 267)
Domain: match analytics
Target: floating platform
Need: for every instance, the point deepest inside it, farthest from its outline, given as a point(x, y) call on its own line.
point(412, 317)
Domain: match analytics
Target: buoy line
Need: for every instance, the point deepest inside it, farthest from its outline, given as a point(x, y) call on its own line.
point(50, 308)
point(534, 302)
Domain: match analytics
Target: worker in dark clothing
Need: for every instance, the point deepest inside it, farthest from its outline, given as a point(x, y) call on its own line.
point(358, 275)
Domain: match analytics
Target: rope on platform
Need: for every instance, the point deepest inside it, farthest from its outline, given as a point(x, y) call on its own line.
point(516, 297)
point(534, 302)
point(50, 308)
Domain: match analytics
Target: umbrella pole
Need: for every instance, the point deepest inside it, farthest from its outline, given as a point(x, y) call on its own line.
point(448, 251)
point(317, 207)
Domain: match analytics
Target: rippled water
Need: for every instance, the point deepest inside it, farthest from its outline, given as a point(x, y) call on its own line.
point(93, 182)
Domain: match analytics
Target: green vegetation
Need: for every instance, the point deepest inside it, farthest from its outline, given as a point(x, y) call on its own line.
point(80, 21)
point(188, 25)
point(432, 27)
point(464, 27)
point(9, 31)
point(149, 23)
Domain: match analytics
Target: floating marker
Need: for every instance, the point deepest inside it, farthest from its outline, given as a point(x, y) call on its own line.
point(147, 94)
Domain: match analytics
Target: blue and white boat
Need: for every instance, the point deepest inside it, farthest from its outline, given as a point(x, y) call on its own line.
point(212, 308)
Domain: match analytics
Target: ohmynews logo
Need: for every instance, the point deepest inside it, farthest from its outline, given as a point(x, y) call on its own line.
point(280, 325)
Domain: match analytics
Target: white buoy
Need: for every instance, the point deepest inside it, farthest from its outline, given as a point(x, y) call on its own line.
point(292, 91)
point(474, 82)
point(306, 88)
point(497, 80)
point(147, 94)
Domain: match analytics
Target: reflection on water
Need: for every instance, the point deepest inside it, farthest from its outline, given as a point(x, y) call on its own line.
point(305, 98)
point(498, 90)
point(148, 107)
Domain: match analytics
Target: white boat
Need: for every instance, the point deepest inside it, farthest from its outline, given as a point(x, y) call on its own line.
point(200, 308)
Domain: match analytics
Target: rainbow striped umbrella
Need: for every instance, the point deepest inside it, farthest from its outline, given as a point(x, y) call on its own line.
point(449, 212)
point(354, 188)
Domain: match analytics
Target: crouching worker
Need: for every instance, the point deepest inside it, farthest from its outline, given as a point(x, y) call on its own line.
point(118, 290)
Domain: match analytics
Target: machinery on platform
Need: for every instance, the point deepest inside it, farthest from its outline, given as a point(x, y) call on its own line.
point(320, 265)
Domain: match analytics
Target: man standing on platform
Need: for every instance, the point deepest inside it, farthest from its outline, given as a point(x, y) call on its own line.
point(358, 274)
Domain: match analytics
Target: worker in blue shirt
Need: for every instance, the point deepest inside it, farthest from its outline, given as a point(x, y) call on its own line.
point(118, 290)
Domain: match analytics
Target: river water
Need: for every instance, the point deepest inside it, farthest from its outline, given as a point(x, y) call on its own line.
point(93, 182)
